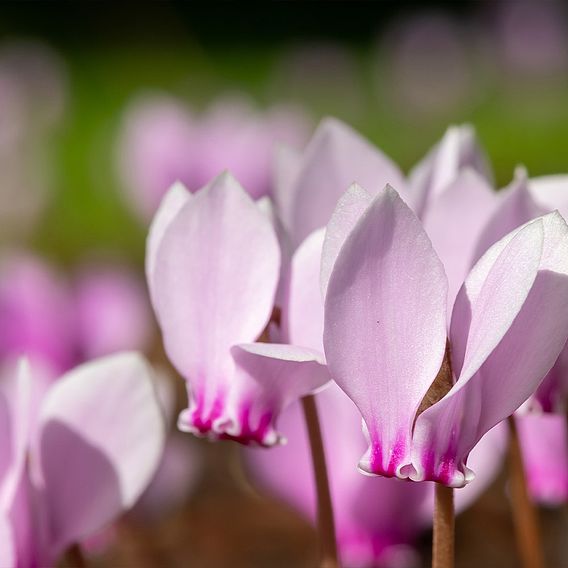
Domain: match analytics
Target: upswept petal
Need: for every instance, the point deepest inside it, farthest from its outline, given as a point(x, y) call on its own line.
point(458, 149)
point(461, 211)
point(302, 314)
point(268, 378)
point(172, 202)
point(545, 455)
point(335, 158)
point(351, 205)
point(551, 192)
point(491, 297)
point(215, 280)
point(516, 207)
point(493, 383)
point(385, 325)
point(101, 438)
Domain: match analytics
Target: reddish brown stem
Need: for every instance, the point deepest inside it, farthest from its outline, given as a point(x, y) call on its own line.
point(326, 525)
point(444, 528)
point(75, 558)
point(525, 515)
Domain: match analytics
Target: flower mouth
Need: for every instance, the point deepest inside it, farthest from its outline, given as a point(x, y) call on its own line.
point(245, 424)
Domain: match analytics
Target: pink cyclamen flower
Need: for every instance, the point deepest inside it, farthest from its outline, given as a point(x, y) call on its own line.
point(386, 334)
point(367, 535)
point(164, 141)
point(213, 265)
point(77, 458)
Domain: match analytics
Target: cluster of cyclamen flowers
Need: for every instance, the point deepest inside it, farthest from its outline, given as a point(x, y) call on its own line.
point(432, 302)
point(436, 304)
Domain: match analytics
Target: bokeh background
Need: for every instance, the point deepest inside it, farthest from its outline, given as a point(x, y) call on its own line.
point(89, 94)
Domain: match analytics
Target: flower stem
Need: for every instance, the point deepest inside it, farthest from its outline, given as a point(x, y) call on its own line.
point(444, 528)
point(524, 512)
point(75, 558)
point(326, 525)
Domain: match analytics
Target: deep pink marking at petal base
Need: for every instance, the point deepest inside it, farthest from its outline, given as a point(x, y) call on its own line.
point(397, 457)
point(220, 421)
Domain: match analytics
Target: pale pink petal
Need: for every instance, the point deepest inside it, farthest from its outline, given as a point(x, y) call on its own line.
point(352, 204)
point(516, 207)
point(492, 296)
point(385, 330)
point(457, 150)
point(454, 222)
point(335, 158)
point(174, 199)
point(268, 378)
point(497, 374)
point(302, 315)
point(551, 192)
point(101, 440)
point(545, 455)
point(215, 279)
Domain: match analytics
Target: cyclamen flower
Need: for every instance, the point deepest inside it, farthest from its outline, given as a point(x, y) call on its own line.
point(213, 265)
point(367, 535)
point(75, 458)
point(386, 338)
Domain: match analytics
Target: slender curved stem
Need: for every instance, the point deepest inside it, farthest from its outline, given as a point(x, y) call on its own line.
point(75, 557)
point(525, 516)
point(326, 525)
point(444, 528)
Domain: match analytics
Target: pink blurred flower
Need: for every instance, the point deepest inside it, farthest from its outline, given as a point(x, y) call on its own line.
point(164, 141)
point(112, 311)
point(428, 67)
point(33, 90)
point(530, 37)
point(36, 312)
point(99, 426)
point(60, 322)
point(544, 441)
